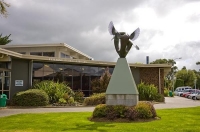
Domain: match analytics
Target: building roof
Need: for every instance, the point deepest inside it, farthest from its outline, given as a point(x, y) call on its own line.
point(64, 47)
point(89, 61)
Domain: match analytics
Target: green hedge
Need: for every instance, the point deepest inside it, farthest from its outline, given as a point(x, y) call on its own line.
point(95, 99)
point(31, 97)
point(143, 110)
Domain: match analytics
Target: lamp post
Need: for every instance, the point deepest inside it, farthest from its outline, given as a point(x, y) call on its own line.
point(173, 72)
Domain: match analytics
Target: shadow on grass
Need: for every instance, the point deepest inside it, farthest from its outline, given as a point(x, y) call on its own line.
point(99, 126)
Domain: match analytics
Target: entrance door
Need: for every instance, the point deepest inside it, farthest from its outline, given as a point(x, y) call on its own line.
point(5, 82)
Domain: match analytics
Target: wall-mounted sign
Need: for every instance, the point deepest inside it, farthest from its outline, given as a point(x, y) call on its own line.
point(18, 82)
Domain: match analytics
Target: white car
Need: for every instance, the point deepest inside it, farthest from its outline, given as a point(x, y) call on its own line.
point(192, 96)
point(179, 90)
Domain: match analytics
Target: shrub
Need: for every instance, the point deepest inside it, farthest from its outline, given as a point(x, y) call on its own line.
point(147, 92)
point(100, 85)
point(55, 90)
point(95, 99)
point(166, 92)
point(79, 96)
point(143, 110)
point(31, 97)
point(100, 111)
point(159, 98)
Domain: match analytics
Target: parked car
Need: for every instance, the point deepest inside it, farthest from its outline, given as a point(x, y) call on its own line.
point(179, 90)
point(187, 92)
point(195, 96)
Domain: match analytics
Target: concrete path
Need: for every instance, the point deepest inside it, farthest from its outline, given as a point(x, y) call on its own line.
point(175, 102)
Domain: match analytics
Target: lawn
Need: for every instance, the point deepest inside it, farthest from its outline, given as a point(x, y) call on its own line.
point(180, 120)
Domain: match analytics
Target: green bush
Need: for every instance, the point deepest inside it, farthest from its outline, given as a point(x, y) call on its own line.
point(143, 110)
point(147, 92)
point(31, 97)
point(166, 92)
point(95, 99)
point(55, 90)
point(79, 96)
point(159, 98)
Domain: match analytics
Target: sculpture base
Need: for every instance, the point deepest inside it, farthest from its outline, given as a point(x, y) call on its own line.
point(122, 99)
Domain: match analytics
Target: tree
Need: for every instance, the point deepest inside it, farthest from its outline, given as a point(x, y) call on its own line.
point(169, 76)
point(198, 63)
point(100, 85)
point(188, 76)
point(4, 40)
point(3, 10)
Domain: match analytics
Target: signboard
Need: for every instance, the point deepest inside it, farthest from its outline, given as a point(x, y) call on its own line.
point(18, 82)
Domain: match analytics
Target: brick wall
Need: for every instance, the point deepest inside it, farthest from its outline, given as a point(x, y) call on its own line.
point(150, 75)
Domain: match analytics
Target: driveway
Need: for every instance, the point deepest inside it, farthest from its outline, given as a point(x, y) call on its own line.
point(170, 102)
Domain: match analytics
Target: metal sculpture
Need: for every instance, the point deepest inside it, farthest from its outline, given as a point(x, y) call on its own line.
point(126, 44)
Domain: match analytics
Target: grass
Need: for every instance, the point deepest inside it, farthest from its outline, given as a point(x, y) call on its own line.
point(181, 120)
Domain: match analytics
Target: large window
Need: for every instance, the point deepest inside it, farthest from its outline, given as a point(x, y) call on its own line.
point(76, 76)
point(49, 54)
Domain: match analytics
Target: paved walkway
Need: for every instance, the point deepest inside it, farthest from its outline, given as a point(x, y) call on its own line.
point(176, 102)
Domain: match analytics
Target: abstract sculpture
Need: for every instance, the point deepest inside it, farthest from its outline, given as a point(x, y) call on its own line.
point(126, 44)
point(122, 89)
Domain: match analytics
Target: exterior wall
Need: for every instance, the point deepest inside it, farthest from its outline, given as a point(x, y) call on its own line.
point(20, 71)
point(136, 75)
point(151, 76)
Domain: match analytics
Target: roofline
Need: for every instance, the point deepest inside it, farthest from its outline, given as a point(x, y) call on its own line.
point(75, 61)
point(45, 45)
point(11, 53)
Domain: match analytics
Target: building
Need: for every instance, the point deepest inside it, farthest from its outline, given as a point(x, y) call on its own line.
point(22, 65)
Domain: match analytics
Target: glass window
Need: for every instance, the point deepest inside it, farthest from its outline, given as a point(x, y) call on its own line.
point(50, 54)
point(36, 53)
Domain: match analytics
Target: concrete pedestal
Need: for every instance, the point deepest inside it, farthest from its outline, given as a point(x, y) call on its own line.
point(122, 89)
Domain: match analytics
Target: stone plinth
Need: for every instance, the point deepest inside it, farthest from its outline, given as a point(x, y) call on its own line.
point(122, 89)
point(122, 99)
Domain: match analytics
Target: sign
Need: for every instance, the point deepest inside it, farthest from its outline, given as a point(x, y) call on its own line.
point(18, 82)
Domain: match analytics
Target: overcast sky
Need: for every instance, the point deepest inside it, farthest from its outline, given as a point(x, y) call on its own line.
point(168, 28)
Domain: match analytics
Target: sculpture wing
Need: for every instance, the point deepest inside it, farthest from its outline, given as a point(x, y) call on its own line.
point(136, 47)
point(111, 29)
point(135, 34)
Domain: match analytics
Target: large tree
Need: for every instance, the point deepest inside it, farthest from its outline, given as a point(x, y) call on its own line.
point(4, 40)
point(188, 76)
point(3, 6)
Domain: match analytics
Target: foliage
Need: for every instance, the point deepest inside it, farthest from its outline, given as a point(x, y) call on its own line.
point(159, 98)
point(197, 78)
point(55, 90)
point(147, 92)
point(79, 96)
point(31, 97)
point(143, 110)
point(178, 83)
point(166, 92)
point(3, 10)
point(95, 99)
point(188, 76)
point(100, 85)
point(4, 40)
point(62, 101)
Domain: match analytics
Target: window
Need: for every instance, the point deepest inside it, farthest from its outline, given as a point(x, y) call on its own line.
point(62, 55)
point(50, 54)
point(36, 53)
